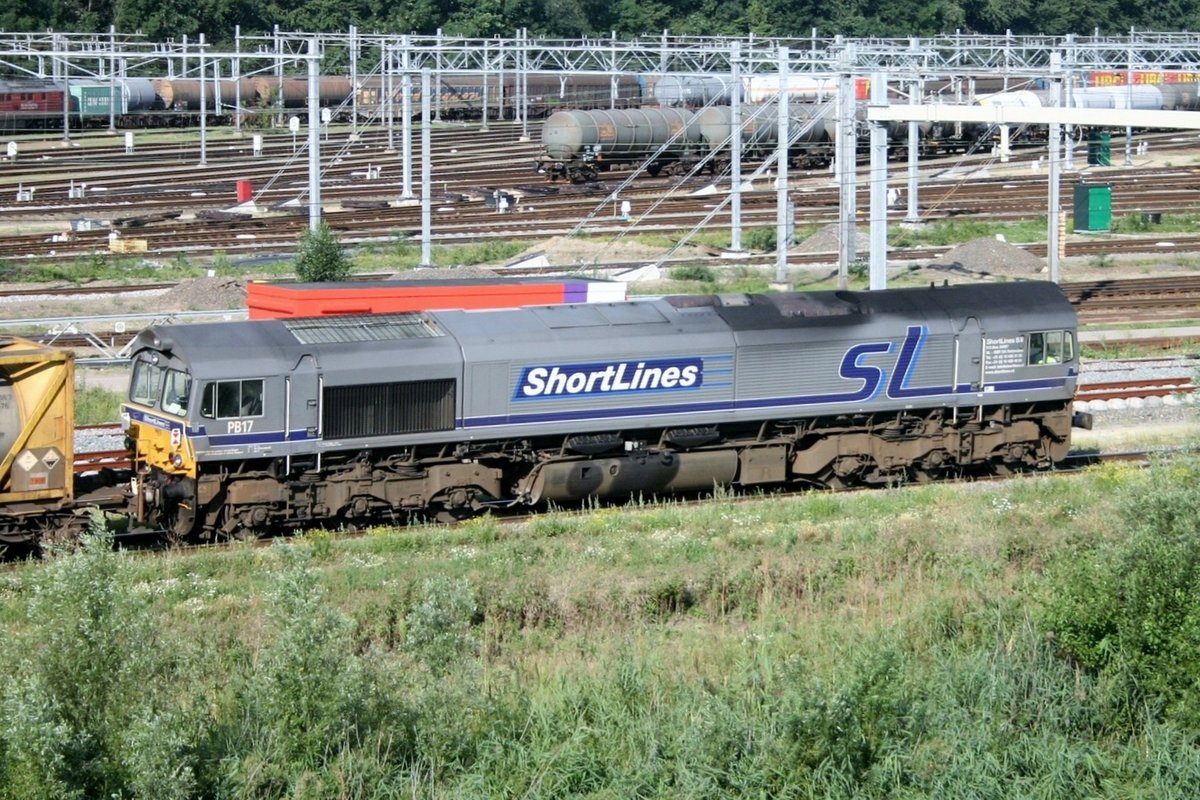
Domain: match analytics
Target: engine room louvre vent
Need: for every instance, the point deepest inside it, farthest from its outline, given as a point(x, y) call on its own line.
point(365, 328)
point(384, 409)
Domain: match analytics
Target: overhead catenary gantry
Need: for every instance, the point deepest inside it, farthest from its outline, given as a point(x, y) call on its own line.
point(401, 60)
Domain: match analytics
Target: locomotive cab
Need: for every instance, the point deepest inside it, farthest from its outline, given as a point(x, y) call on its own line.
point(155, 416)
point(186, 426)
point(155, 420)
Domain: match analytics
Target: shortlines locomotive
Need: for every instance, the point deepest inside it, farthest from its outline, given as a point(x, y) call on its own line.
point(240, 428)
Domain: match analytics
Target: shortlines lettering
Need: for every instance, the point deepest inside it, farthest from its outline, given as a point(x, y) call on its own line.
point(570, 380)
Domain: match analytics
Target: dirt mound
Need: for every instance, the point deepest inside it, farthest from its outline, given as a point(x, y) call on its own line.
point(991, 257)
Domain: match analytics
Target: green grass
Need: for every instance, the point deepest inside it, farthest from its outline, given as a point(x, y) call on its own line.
point(1115, 351)
point(955, 231)
point(910, 642)
point(403, 254)
point(1170, 223)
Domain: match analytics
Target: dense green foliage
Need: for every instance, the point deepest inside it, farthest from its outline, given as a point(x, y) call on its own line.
point(320, 257)
point(1035, 639)
point(160, 19)
point(1128, 610)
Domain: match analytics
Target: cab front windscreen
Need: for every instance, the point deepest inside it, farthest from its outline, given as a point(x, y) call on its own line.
point(158, 386)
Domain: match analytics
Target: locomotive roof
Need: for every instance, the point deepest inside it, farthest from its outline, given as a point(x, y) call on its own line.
point(261, 347)
point(233, 349)
point(1017, 303)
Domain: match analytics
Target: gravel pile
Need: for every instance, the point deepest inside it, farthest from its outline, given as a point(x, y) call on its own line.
point(828, 240)
point(991, 257)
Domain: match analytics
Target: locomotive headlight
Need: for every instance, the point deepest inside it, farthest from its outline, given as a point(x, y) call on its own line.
point(176, 460)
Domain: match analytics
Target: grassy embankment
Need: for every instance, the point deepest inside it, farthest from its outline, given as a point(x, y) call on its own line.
point(1031, 638)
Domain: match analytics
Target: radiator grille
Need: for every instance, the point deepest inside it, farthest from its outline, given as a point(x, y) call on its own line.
point(362, 328)
point(383, 409)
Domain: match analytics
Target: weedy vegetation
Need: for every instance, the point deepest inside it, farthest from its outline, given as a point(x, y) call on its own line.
point(1034, 638)
point(95, 405)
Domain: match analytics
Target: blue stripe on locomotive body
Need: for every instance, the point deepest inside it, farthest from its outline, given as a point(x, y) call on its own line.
point(673, 362)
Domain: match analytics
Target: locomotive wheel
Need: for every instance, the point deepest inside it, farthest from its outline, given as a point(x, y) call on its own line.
point(450, 516)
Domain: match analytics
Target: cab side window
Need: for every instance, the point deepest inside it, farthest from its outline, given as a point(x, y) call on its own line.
point(175, 392)
point(229, 399)
point(1051, 347)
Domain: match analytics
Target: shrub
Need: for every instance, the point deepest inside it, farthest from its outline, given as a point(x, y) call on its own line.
point(1129, 610)
point(320, 258)
point(86, 711)
point(306, 694)
point(438, 628)
point(692, 272)
point(759, 239)
point(95, 405)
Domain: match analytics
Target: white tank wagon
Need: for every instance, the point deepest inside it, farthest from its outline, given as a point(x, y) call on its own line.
point(580, 144)
point(1168, 97)
point(1139, 97)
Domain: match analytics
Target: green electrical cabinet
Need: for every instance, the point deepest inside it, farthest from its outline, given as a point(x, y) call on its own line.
point(1093, 207)
point(1100, 149)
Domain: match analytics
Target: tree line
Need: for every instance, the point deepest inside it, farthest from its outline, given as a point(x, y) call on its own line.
point(162, 19)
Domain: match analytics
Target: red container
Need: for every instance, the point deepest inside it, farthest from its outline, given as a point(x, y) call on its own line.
point(245, 191)
point(270, 300)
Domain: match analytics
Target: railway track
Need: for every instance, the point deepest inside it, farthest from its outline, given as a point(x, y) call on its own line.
point(151, 541)
point(1143, 387)
point(165, 203)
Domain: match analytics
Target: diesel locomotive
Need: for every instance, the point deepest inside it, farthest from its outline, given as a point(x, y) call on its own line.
point(243, 427)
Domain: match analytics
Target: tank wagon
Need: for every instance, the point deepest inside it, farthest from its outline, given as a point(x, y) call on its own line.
point(802, 88)
point(1166, 97)
point(692, 91)
point(461, 96)
point(41, 496)
point(580, 144)
point(36, 426)
point(813, 126)
point(357, 420)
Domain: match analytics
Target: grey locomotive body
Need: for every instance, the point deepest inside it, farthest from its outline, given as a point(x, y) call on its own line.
point(357, 419)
